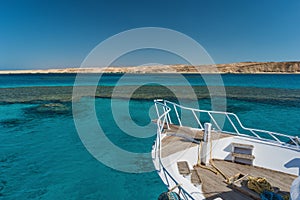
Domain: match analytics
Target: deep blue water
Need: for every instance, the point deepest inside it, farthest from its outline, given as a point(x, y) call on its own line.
point(42, 156)
point(290, 81)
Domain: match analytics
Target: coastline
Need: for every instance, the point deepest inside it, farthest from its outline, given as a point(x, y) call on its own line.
point(33, 72)
point(232, 68)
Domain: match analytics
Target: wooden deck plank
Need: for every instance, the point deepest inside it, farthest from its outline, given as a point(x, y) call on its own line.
point(214, 185)
point(196, 134)
point(183, 168)
point(173, 142)
point(245, 156)
point(195, 179)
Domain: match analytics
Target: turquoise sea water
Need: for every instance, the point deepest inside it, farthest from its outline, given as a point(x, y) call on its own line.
point(289, 81)
point(42, 156)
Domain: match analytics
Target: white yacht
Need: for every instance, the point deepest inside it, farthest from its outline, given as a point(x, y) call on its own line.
point(210, 155)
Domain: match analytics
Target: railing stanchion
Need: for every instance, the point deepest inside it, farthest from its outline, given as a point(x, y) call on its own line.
point(198, 121)
point(166, 118)
point(213, 119)
point(156, 108)
point(177, 115)
point(232, 124)
point(168, 115)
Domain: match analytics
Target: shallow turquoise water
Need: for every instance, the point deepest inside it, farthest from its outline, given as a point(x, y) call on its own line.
point(42, 157)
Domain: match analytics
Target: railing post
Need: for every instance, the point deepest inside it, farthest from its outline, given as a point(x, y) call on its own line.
point(156, 108)
point(168, 115)
point(177, 115)
point(205, 150)
point(215, 122)
point(232, 124)
point(198, 121)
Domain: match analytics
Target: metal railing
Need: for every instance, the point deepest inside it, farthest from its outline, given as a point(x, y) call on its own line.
point(163, 119)
point(164, 111)
point(237, 128)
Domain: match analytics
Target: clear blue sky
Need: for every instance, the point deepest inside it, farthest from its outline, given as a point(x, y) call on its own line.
point(54, 33)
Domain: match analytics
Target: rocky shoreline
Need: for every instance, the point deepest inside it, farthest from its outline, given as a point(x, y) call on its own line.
point(234, 68)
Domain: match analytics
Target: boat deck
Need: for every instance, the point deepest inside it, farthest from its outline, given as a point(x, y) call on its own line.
point(180, 138)
point(214, 186)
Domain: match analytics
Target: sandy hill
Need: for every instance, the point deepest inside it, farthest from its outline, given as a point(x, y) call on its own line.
point(241, 67)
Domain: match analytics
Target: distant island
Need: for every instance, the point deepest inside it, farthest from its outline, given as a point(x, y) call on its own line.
point(234, 68)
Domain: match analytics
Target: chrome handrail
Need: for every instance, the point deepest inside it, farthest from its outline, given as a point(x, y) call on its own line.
point(257, 133)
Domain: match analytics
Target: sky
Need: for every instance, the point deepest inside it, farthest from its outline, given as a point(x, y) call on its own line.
point(37, 34)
